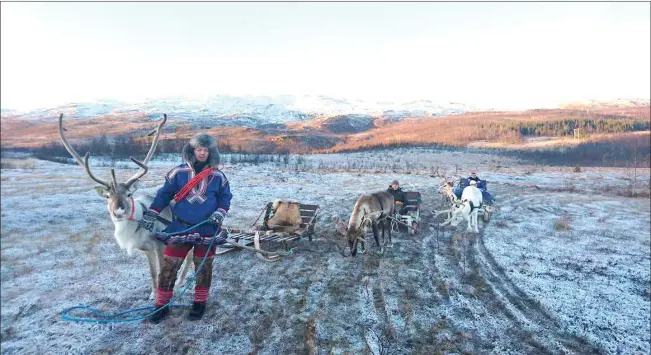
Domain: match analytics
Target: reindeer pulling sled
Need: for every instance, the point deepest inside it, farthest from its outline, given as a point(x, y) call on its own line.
point(482, 185)
point(410, 219)
point(465, 204)
point(284, 221)
point(376, 211)
point(485, 210)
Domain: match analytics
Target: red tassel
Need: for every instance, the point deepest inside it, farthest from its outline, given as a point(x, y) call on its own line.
point(191, 184)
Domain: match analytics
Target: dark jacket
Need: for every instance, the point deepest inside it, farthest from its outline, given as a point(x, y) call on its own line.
point(398, 195)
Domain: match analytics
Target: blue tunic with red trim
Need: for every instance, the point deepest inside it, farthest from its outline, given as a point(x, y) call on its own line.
point(212, 193)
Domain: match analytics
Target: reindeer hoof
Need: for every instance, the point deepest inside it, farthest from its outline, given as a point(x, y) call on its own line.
point(390, 245)
point(152, 296)
point(346, 252)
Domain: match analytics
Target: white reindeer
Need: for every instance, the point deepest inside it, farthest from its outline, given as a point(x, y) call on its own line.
point(125, 210)
point(465, 209)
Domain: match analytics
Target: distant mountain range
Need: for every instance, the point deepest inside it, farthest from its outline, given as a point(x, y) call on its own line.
point(617, 103)
point(317, 123)
point(246, 111)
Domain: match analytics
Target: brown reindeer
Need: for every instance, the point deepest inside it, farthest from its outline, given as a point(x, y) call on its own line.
point(370, 210)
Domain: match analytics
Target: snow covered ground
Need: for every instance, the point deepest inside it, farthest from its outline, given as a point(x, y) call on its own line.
point(563, 267)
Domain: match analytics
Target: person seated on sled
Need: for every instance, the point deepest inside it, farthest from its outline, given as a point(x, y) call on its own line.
point(201, 192)
point(399, 196)
point(473, 177)
point(486, 197)
point(480, 183)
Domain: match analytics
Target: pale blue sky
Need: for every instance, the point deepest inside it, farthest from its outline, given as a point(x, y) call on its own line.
point(506, 55)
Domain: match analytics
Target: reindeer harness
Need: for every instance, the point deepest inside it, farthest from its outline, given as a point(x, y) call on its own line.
point(159, 218)
point(382, 215)
point(472, 205)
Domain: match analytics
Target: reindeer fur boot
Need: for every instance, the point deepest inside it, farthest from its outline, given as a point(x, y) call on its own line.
point(165, 292)
point(160, 315)
point(197, 311)
point(201, 288)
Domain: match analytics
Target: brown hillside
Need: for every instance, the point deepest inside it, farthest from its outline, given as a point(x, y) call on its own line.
point(327, 134)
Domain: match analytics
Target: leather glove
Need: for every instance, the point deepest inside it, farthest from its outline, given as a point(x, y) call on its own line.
point(148, 220)
point(217, 217)
point(399, 203)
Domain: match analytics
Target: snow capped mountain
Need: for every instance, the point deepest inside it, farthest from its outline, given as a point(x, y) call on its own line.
point(250, 111)
point(617, 103)
point(333, 106)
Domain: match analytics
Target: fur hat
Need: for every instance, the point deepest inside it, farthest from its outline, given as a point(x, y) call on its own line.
point(202, 140)
point(473, 182)
point(394, 182)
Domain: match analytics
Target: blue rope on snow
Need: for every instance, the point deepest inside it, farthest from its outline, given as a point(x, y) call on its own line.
point(186, 230)
point(111, 318)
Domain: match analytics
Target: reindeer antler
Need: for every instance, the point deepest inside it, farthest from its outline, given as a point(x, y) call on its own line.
point(438, 173)
point(154, 143)
point(438, 213)
point(71, 150)
point(84, 164)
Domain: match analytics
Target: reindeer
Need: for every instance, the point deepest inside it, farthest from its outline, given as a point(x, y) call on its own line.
point(446, 190)
point(465, 209)
point(125, 210)
point(369, 210)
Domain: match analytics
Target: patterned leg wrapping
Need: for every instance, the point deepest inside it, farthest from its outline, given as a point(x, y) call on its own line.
point(167, 278)
point(203, 280)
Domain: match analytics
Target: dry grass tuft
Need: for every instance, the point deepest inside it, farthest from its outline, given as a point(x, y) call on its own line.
point(629, 192)
point(562, 224)
point(7, 163)
point(310, 336)
point(93, 242)
point(501, 224)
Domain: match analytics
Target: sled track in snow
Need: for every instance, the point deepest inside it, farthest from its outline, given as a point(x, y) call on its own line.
point(527, 311)
point(482, 294)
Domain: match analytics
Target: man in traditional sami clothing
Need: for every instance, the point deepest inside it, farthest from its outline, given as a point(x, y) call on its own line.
point(201, 191)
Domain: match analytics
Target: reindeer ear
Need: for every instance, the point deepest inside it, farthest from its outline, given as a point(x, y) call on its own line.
point(135, 186)
point(101, 190)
